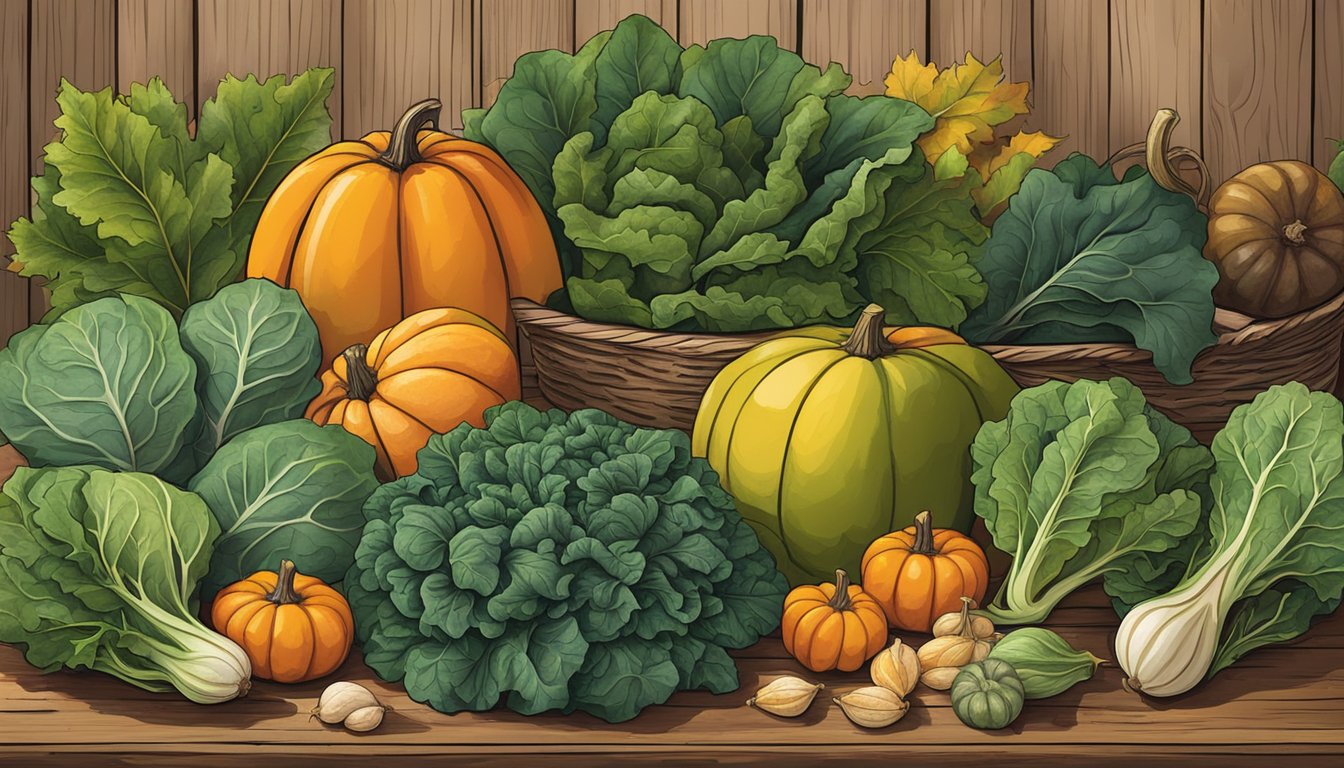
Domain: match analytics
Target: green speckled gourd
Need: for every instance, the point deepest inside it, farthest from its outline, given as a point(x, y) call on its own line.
point(829, 438)
point(988, 695)
point(1046, 663)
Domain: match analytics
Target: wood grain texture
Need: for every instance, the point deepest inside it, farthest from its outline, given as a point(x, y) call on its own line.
point(1155, 62)
point(14, 159)
point(157, 37)
point(1257, 96)
point(269, 37)
point(1072, 76)
point(704, 20)
point(1329, 123)
point(510, 28)
point(986, 28)
point(75, 40)
point(593, 16)
point(1277, 701)
point(864, 36)
point(399, 52)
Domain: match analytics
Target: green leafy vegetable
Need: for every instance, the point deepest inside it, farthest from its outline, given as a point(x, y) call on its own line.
point(1082, 257)
point(1082, 481)
point(558, 562)
point(100, 572)
point(258, 353)
point(107, 384)
point(1336, 172)
point(1272, 557)
point(291, 490)
point(131, 203)
point(731, 187)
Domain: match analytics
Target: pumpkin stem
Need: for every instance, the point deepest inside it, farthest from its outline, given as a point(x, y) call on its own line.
point(923, 535)
point(840, 601)
point(360, 379)
point(869, 337)
point(1159, 156)
point(1295, 233)
point(402, 149)
point(284, 593)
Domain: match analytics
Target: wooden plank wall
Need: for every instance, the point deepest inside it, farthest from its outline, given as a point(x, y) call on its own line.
point(1252, 79)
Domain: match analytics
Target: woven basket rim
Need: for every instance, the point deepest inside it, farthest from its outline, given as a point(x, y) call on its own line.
point(529, 314)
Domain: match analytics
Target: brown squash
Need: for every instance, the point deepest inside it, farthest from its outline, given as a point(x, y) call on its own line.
point(833, 626)
point(1276, 232)
point(293, 627)
point(371, 231)
point(428, 373)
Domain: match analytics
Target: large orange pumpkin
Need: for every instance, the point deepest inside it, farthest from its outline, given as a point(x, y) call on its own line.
point(426, 374)
point(371, 231)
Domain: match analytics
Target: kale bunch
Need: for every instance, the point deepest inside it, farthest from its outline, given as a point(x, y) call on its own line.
point(558, 562)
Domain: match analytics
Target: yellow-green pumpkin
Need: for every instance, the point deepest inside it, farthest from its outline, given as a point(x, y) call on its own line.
point(829, 438)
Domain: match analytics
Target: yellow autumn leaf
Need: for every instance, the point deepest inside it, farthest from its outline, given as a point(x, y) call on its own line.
point(966, 100)
point(990, 157)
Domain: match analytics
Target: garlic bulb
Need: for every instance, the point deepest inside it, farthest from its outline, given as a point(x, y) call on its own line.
point(896, 668)
point(785, 696)
point(873, 706)
point(339, 700)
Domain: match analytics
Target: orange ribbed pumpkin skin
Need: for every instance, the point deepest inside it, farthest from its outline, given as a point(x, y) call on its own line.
point(832, 626)
point(288, 642)
point(433, 371)
point(366, 244)
point(917, 576)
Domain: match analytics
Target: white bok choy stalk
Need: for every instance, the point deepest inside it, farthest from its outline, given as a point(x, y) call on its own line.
point(1273, 553)
point(99, 570)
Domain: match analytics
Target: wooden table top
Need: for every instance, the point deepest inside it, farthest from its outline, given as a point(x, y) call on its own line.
point(1282, 700)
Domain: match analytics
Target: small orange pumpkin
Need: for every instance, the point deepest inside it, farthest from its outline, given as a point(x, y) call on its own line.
point(833, 626)
point(919, 573)
point(293, 627)
point(426, 374)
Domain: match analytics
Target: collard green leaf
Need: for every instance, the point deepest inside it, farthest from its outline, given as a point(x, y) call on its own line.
point(107, 384)
point(550, 98)
point(640, 57)
point(290, 490)
point(259, 352)
point(1079, 257)
point(756, 78)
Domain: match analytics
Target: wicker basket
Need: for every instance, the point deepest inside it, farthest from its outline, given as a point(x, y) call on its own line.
point(656, 378)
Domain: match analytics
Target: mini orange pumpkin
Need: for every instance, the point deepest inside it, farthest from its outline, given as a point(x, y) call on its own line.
point(833, 626)
point(919, 573)
point(371, 231)
point(426, 374)
point(293, 627)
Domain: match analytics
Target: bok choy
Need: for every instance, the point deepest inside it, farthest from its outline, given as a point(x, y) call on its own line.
point(98, 570)
point(1272, 556)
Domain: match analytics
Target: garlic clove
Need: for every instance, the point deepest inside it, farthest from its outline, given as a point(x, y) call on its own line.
point(338, 700)
point(786, 696)
point(873, 706)
point(896, 668)
point(946, 651)
point(365, 719)
point(939, 678)
point(981, 650)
